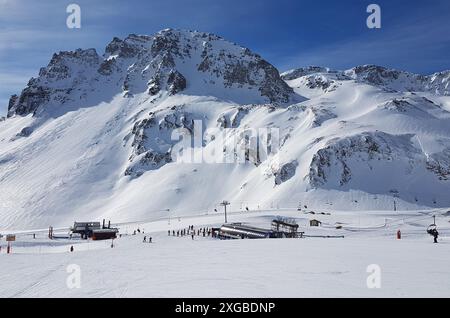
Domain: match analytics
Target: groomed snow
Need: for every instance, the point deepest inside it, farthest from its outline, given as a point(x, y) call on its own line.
point(205, 267)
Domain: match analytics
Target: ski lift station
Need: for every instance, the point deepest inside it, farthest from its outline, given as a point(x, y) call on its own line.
point(94, 230)
point(281, 228)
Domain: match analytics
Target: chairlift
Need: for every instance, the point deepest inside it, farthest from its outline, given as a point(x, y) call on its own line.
point(432, 228)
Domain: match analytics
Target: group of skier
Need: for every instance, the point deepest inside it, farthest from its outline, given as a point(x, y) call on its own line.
point(145, 239)
point(190, 230)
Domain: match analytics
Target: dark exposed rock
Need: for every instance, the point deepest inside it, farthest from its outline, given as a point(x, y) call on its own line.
point(152, 64)
point(154, 86)
point(376, 74)
point(128, 48)
point(108, 67)
point(364, 147)
point(151, 139)
point(28, 102)
point(25, 132)
point(233, 119)
point(303, 71)
point(439, 163)
point(176, 82)
point(285, 172)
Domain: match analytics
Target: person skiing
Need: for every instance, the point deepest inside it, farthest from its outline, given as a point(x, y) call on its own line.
point(71, 249)
point(150, 239)
point(145, 239)
point(192, 236)
point(435, 235)
point(168, 233)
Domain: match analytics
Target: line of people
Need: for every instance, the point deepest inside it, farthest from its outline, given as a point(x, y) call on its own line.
point(203, 231)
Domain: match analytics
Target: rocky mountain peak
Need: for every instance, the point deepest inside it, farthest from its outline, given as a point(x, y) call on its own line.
point(303, 71)
point(171, 61)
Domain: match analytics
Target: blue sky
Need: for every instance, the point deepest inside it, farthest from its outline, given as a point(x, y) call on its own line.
point(288, 33)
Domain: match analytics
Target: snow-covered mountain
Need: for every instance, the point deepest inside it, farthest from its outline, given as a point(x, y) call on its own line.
point(91, 137)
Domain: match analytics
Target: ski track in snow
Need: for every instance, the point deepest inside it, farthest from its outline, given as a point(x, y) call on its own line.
point(205, 267)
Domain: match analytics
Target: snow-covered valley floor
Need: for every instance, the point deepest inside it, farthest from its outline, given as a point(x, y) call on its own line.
point(206, 267)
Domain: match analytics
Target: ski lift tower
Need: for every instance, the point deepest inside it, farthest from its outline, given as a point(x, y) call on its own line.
point(224, 204)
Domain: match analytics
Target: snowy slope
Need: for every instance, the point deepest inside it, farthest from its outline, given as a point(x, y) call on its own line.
point(91, 136)
point(308, 267)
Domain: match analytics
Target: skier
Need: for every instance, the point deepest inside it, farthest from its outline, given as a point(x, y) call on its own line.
point(192, 236)
point(173, 233)
point(71, 249)
point(150, 239)
point(168, 233)
point(145, 239)
point(435, 235)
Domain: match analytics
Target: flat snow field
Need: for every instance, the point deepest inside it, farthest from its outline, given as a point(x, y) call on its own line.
point(206, 267)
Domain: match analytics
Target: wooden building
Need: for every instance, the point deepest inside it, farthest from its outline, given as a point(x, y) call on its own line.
point(315, 223)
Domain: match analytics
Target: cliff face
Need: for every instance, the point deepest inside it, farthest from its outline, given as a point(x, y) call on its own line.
point(170, 62)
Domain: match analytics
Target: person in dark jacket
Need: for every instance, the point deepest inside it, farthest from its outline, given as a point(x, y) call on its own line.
point(435, 235)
